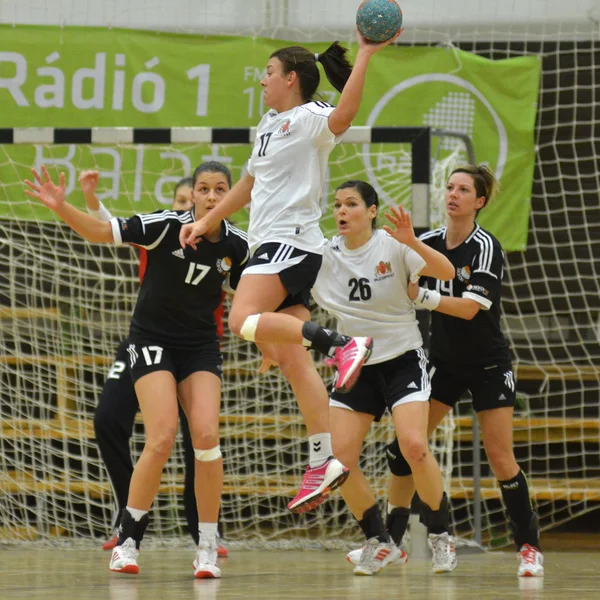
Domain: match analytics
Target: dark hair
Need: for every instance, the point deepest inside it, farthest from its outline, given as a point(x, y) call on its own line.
point(303, 62)
point(485, 181)
point(211, 166)
point(366, 191)
point(187, 181)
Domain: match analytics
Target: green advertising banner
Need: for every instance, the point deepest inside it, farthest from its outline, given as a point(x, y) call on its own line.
point(86, 77)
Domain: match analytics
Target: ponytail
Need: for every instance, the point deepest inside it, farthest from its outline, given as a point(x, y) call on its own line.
point(336, 65)
point(304, 63)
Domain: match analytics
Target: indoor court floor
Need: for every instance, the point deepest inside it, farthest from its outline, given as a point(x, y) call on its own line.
point(166, 574)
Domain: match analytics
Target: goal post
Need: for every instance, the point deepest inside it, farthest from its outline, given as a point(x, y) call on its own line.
point(66, 304)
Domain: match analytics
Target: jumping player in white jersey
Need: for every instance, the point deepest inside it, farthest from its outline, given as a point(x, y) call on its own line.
point(174, 351)
point(468, 351)
point(284, 183)
point(363, 283)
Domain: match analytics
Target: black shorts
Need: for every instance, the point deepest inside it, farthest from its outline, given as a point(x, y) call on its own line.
point(297, 270)
point(147, 357)
point(492, 386)
point(386, 385)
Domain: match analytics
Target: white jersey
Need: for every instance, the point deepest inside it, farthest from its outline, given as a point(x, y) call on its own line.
point(288, 162)
point(366, 289)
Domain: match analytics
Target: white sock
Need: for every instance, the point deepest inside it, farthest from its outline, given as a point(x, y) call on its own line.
point(320, 449)
point(207, 532)
point(136, 513)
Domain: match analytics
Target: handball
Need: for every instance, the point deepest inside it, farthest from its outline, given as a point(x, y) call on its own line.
point(379, 20)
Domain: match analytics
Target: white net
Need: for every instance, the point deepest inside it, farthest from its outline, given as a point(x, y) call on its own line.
point(66, 303)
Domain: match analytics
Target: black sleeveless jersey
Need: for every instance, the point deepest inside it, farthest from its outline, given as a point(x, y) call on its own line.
point(181, 287)
point(479, 264)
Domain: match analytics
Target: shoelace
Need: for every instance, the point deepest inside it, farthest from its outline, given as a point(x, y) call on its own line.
point(128, 549)
point(368, 554)
point(529, 555)
point(441, 549)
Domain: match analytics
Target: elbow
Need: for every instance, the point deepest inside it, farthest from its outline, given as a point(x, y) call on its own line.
point(449, 271)
point(471, 312)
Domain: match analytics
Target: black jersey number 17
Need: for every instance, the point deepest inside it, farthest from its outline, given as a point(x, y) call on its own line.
point(264, 142)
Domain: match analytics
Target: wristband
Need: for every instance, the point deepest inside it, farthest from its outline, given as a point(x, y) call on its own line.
point(429, 299)
point(102, 213)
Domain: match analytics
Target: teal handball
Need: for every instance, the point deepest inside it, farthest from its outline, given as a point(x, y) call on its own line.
point(379, 20)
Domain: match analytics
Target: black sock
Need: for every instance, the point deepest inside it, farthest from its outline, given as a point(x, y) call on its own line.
point(130, 528)
point(372, 524)
point(322, 340)
point(523, 520)
point(436, 521)
point(396, 523)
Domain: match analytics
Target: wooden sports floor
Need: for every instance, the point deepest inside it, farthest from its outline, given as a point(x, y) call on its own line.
point(165, 574)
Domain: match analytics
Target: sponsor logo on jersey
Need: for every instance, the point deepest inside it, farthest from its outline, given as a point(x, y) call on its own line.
point(464, 273)
point(478, 288)
point(264, 256)
point(284, 130)
point(413, 385)
point(224, 265)
point(383, 270)
point(178, 253)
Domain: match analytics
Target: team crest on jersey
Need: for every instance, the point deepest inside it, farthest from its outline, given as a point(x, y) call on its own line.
point(478, 288)
point(224, 265)
point(464, 273)
point(383, 270)
point(284, 130)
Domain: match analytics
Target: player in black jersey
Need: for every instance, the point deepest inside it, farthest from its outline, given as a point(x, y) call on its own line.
point(118, 405)
point(468, 351)
point(174, 349)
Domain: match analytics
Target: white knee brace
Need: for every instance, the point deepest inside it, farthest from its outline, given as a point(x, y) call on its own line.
point(208, 455)
point(248, 330)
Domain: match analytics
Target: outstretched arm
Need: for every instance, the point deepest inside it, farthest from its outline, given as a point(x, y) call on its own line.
point(53, 196)
point(341, 118)
point(463, 308)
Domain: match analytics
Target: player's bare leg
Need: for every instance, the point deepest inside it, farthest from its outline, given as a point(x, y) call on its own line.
point(200, 396)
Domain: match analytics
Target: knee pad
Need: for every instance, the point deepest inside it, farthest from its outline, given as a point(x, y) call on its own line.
point(396, 462)
point(248, 329)
point(208, 455)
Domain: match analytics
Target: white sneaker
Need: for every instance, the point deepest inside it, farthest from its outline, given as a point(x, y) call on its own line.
point(443, 551)
point(373, 556)
point(354, 556)
point(205, 563)
point(124, 558)
point(531, 562)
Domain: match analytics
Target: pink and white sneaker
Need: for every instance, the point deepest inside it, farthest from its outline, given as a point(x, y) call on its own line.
point(349, 360)
point(317, 484)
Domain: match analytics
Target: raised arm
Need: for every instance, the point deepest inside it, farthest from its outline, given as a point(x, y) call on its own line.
point(53, 196)
point(236, 198)
point(88, 180)
point(438, 265)
point(343, 115)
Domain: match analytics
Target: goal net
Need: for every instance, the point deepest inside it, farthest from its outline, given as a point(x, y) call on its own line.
point(65, 304)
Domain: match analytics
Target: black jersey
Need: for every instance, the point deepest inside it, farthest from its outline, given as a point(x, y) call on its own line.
point(479, 264)
point(181, 287)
